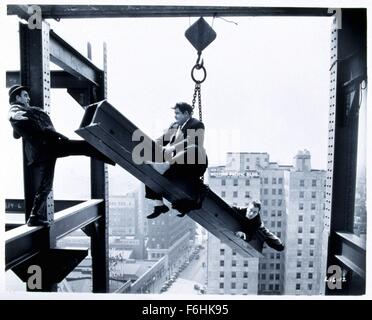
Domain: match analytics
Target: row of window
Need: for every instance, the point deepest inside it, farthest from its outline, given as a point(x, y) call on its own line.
point(233, 263)
point(274, 202)
point(309, 275)
point(273, 180)
point(300, 229)
point(309, 286)
point(302, 194)
point(274, 213)
point(299, 264)
point(311, 242)
point(236, 182)
point(270, 287)
point(233, 285)
point(301, 206)
point(301, 218)
point(233, 274)
point(271, 266)
point(313, 182)
point(311, 253)
point(274, 192)
point(271, 276)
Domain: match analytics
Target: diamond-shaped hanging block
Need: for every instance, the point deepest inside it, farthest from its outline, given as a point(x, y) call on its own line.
point(200, 34)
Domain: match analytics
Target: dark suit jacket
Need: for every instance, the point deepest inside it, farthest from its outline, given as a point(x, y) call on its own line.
point(192, 135)
point(37, 131)
point(250, 225)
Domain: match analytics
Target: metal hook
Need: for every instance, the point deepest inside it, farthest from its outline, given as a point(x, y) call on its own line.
point(199, 64)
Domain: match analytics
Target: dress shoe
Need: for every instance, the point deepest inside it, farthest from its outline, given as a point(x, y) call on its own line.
point(271, 239)
point(158, 210)
point(36, 220)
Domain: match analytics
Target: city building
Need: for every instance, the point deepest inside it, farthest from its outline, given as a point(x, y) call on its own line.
point(290, 196)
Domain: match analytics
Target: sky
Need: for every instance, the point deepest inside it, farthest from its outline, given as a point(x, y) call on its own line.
point(266, 89)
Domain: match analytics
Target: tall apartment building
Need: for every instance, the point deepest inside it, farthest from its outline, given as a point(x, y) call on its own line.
point(249, 176)
point(305, 202)
point(123, 220)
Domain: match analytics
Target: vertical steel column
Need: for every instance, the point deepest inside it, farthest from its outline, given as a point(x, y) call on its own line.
point(350, 61)
point(35, 73)
point(99, 190)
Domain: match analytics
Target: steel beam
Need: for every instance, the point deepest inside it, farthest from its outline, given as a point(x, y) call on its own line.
point(58, 80)
point(24, 242)
point(72, 61)
point(132, 11)
point(111, 133)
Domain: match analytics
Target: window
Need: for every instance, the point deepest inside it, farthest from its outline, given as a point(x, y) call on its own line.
point(264, 213)
point(265, 202)
point(277, 266)
point(235, 182)
point(280, 180)
point(312, 241)
point(300, 218)
point(311, 253)
point(276, 287)
point(222, 263)
point(233, 274)
point(299, 241)
point(271, 266)
point(312, 229)
point(298, 275)
point(279, 224)
point(266, 180)
point(245, 263)
point(221, 285)
point(273, 192)
point(271, 287)
point(313, 195)
point(234, 252)
point(298, 286)
point(272, 224)
point(235, 194)
point(310, 286)
point(245, 274)
point(279, 202)
point(263, 287)
point(302, 194)
point(223, 194)
point(311, 264)
point(310, 275)
point(278, 255)
point(280, 191)
point(278, 234)
point(279, 213)
point(223, 182)
point(233, 263)
point(263, 266)
point(300, 206)
point(271, 277)
point(222, 274)
point(245, 285)
point(299, 253)
point(302, 183)
point(313, 206)
point(266, 191)
point(277, 276)
point(299, 229)
point(274, 181)
point(233, 285)
point(273, 202)
point(222, 252)
point(313, 183)
point(247, 195)
point(247, 182)
point(273, 212)
point(263, 276)
point(272, 255)
point(312, 218)
point(298, 264)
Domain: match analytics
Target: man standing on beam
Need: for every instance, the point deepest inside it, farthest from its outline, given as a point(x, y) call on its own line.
point(43, 145)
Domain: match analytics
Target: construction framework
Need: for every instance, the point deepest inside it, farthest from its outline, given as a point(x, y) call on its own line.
point(86, 83)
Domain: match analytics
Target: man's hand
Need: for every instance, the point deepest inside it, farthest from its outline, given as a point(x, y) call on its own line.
point(19, 115)
point(241, 235)
point(168, 152)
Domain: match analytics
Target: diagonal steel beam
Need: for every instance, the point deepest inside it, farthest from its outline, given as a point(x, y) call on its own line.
point(24, 242)
point(72, 61)
point(111, 133)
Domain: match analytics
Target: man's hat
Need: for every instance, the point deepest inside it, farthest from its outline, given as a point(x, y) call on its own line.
point(17, 89)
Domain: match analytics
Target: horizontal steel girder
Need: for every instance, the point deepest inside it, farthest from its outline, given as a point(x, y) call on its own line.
point(132, 11)
point(59, 80)
point(24, 242)
point(111, 133)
